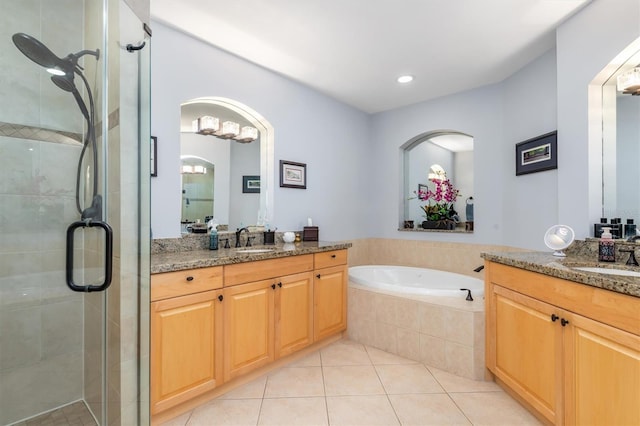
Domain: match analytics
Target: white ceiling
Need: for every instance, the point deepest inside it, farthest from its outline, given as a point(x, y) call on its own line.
point(353, 50)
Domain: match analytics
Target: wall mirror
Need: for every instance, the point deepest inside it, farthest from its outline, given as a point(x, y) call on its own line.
point(212, 168)
point(621, 145)
point(431, 161)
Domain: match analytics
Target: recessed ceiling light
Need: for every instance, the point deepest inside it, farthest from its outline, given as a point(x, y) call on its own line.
point(405, 79)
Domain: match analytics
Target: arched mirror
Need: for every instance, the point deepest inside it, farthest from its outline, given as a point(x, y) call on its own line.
point(621, 142)
point(438, 182)
point(237, 188)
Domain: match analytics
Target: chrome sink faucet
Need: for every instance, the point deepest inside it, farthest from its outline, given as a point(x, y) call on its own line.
point(238, 233)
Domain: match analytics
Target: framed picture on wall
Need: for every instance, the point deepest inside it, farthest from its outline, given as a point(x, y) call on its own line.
point(537, 154)
point(154, 156)
point(293, 175)
point(250, 184)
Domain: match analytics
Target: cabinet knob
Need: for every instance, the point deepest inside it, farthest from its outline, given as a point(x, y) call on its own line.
point(220, 298)
point(318, 276)
point(280, 285)
point(189, 279)
point(564, 322)
point(333, 256)
point(554, 317)
point(273, 286)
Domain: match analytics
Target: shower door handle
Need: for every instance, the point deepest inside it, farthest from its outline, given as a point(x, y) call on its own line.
point(108, 254)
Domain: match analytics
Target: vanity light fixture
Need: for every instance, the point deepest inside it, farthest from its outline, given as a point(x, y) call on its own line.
point(629, 82)
point(205, 125)
point(404, 79)
point(228, 130)
point(195, 169)
point(211, 126)
point(247, 134)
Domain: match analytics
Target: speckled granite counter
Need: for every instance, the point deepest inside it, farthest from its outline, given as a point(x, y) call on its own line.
point(546, 263)
point(191, 259)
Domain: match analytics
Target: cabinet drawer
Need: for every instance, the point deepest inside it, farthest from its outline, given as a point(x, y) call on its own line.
point(180, 283)
point(240, 273)
point(330, 258)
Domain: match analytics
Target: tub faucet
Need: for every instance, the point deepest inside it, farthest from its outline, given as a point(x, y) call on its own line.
point(479, 268)
point(238, 233)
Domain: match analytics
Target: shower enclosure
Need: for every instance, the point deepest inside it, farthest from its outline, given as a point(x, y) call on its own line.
point(74, 212)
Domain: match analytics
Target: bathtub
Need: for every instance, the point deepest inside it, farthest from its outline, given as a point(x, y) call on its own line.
point(401, 310)
point(418, 281)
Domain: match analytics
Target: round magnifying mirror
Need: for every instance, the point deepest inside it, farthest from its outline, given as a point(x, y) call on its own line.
point(558, 238)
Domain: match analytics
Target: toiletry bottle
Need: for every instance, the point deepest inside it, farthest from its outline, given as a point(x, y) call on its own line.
point(606, 247)
point(213, 239)
point(597, 227)
point(630, 229)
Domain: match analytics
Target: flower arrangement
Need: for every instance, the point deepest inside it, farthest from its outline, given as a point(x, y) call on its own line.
point(439, 201)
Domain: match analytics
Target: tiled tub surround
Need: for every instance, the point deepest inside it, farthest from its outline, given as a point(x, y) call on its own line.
point(442, 332)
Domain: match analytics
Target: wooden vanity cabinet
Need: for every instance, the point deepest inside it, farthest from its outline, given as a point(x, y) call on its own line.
point(186, 335)
point(570, 351)
point(268, 318)
point(330, 293)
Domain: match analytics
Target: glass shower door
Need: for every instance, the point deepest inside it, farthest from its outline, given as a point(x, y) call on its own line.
point(70, 295)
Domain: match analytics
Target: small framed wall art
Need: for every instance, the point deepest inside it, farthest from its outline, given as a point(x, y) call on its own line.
point(250, 184)
point(154, 156)
point(537, 154)
point(293, 175)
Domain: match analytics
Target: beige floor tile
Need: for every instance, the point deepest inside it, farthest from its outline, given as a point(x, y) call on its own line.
point(294, 411)
point(360, 410)
point(352, 380)
point(253, 389)
point(178, 421)
point(452, 383)
point(295, 382)
point(344, 352)
point(311, 360)
point(427, 410)
point(413, 378)
point(379, 357)
point(221, 412)
point(492, 408)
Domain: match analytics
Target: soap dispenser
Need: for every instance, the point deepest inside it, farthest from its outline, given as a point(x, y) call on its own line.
point(606, 246)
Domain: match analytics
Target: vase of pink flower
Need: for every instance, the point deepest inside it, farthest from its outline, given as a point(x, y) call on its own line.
point(438, 210)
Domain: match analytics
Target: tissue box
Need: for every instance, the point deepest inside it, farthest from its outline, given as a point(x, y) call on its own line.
point(310, 233)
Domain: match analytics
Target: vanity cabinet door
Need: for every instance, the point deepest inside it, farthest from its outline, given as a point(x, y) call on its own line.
point(602, 368)
point(186, 347)
point(294, 313)
point(248, 327)
point(330, 301)
point(526, 352)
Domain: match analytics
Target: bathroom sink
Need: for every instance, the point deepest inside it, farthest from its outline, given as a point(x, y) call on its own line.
point(253, 251)
point(609, 271)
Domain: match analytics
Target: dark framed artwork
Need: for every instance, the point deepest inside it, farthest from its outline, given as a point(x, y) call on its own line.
point(250, 184)
point(293, 175)
point(154, 156)
point(537, 154)
point(422, 187)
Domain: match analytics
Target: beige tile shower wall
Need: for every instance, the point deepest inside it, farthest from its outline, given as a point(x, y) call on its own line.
point(452, 257)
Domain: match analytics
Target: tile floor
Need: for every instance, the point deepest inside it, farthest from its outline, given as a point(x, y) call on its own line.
point(347, 383)
point(76, 414)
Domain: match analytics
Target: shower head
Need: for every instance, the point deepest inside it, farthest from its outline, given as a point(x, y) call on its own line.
point(65, 82)
point(35, 50)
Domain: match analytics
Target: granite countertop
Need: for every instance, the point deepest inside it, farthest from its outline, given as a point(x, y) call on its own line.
point(546, 263)
point(191, 259)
